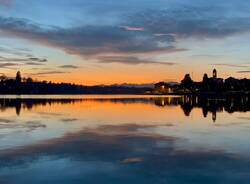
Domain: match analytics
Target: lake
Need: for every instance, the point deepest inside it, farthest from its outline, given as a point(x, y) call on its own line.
point(124, 139)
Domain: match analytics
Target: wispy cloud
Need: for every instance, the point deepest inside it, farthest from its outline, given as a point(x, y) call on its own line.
point(24, 52)
point(22, 59)
point(41, 60)
point(34, 63)
point(230, 65)
point(69, 66)
point(8, 65)
point(130, 60)
point(244, 71)
point(49, 73)
point(28, 125)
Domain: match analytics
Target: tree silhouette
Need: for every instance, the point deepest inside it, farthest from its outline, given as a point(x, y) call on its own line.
point(18, 77)
point(187, 82)
point(205, 83)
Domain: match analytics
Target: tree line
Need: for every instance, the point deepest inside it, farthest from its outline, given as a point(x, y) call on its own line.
point(19, 85)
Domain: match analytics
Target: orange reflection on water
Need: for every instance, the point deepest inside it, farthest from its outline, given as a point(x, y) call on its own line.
point(40, 118)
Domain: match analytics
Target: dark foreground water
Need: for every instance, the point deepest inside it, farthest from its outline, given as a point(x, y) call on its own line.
point(124, 140)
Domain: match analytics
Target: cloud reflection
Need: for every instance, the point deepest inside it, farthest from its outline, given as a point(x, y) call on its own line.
point(154, 158)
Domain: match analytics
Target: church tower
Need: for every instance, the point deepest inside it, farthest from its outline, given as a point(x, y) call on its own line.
point(214, 73)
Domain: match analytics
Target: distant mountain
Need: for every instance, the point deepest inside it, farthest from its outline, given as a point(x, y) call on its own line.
point(172, 83)
point(127, 85)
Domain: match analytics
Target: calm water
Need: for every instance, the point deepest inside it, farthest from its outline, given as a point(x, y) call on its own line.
point(123, 139)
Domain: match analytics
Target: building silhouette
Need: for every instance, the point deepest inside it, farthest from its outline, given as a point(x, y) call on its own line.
point(208, 85)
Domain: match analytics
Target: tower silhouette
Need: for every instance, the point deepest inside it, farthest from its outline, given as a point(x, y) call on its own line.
point(214, 73)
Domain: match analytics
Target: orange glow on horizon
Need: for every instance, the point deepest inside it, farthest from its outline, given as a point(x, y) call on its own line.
point(129, 75)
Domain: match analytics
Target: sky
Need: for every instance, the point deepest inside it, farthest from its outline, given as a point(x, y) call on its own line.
point(115, 41)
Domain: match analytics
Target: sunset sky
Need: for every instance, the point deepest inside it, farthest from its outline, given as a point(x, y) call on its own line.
point(124, 41)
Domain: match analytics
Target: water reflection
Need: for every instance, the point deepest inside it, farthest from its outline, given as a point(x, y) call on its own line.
point(19, 103)
point(186, 103)
point(124, 140)
point(119, 154)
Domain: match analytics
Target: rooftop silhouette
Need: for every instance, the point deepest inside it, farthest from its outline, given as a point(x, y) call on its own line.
point(212, 85)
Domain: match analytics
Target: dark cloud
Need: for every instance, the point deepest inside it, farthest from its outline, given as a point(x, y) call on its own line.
point(130, 60)
point(38, 60)
point(6, 62)
point(230, 65)
point(12, 64)
point(88, 41)
point(22, 59)
point(192, 21)
point(4, 59)
point(34, 63)
point(49, 73)
point(66, 120)
point(146, 31)
point(7, 65)
point(69, 66)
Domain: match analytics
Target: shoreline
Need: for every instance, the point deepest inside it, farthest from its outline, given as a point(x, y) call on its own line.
point(198, 94)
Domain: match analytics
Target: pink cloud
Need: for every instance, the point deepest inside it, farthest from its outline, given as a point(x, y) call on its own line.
point(130, 28)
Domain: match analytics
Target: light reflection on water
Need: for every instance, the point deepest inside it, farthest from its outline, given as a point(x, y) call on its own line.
point(124, 139)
